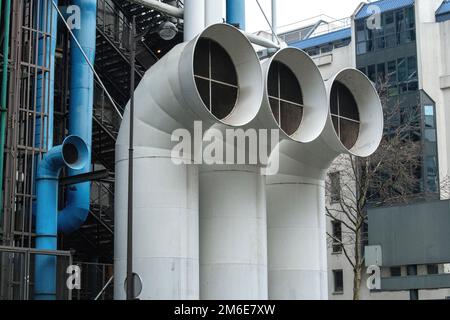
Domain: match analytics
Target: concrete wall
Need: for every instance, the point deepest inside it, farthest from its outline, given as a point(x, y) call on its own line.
point(434, 68)
point(434, 78)
point(332, 62)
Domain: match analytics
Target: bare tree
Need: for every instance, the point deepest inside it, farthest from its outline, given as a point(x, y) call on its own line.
point(390, 176)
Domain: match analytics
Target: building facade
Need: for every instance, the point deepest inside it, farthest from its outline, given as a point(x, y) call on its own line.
point(405, 44)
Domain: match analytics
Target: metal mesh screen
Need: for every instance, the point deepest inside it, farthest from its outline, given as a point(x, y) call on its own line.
point(285, 97)
point(345, 114)
point(215, 77)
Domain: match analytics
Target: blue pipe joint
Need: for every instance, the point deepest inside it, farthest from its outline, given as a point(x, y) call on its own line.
point(236, 13)
point(72, 153)
point(76, 210)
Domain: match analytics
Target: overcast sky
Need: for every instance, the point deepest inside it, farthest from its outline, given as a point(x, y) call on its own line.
point(290, 11)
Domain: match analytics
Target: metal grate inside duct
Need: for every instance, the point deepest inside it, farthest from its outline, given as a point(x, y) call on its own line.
point(285, 97)
point(70, 153)
point(345, 114)
point(216, 78)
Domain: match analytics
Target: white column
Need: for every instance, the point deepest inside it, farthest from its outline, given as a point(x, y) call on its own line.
point(233, 234)
point(215, 12)
point(194, 18)
point(165, 228)
point(296, 239)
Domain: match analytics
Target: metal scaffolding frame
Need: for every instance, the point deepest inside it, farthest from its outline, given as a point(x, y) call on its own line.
point(92, 245)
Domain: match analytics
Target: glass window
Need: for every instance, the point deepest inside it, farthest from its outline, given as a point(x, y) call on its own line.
point(337, 236)
point(363, 70)
point(371, 72)
point(390, 41)
point(429, 116)
point(393, 91)
point(412, 68)
point(379, 43)
point(413, 86)
point(360, 32)
point(392, 71)
point(326, 49)
point(402, 70)
point(431, 166)
point(432, 269)
point(403, 88)
point(338, 277)
point(400, 20)
point(396, 271)
point(410, 18)
point(389, 23)
point(335, 186)
point(430, 135)
point(361, 48)
point(313, 51)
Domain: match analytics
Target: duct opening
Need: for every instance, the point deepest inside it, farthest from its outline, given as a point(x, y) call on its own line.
point(344, 114)
point(215, 78)
point(70, 153)
point(285, 97)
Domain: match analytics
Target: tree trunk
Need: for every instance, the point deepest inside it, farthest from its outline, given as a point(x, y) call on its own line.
point(356, 282)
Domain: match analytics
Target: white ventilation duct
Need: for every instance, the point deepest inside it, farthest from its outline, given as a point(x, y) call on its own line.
point(233, 230)
point(296, 196)
point(215, 78)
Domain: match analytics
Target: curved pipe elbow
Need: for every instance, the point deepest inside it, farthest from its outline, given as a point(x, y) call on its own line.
point(351, 96)
point(73, 216)
point(72, 153)
point(176, 91)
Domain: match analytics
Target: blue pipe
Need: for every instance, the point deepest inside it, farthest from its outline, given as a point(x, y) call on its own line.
point(45, 207)
point(236, 13)
point(72, 153)
point(80, 113)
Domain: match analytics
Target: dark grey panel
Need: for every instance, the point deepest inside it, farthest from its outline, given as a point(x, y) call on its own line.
point(438, 281)
point(413, 234)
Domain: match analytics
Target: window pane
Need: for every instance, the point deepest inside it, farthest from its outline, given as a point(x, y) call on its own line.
point(392, 71)
point(410, 18)
point(389, 23)
point(381, 72)
point(371, 73)
point(433, 269)
point(412, 68)
point(338, 281)
point(361, 48)
point(430, 135)
point(335, 191)
point(391, 41)
point(402, 69)
point(396, 272)
point(326, 49)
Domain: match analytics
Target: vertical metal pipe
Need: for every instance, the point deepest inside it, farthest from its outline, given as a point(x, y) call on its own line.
point(215, 12)
point(80, 112)
point(3, 109)
point(130, 282)
point(274, 20)
point(236, 13)
point(46, 212)
point(194, 18)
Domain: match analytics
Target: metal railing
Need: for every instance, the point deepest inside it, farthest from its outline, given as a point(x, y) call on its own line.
point(17, 272)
